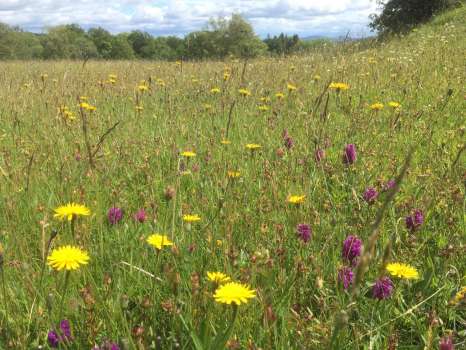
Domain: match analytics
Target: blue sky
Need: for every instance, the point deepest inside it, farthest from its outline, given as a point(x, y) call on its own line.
point(162, 17)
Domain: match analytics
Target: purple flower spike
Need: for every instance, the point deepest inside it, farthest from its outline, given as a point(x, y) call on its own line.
point(345, 275)
point(65, 329)
point(115, 215)
point(140, 216)
point(413, 222)
point(383, 288)
point(288, 142)
point(349, 156)
point(446, 343)
point(370, 195)
point(389, 185)
point(304, 232)
point(53, 339)
point(352, 246)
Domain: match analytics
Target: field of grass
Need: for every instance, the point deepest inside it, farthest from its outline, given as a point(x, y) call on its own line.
point(127, 153)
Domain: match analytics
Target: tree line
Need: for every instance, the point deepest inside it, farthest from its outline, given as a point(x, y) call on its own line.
point(221, 38)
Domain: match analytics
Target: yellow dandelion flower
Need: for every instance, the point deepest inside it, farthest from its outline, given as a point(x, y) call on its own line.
point(279, 95)
point(226, 76)
point(253, 146)
point(460, 297)
point(403, 271)
point(143, 88)
point(376, 106)
point(296, 199)
point(191, 218)
point(70, 211)
point(339, 86)
point(394, 105)
point(159, 241)
point(263, 108)
point(215, 90)
point(67, 258)
point(84, 105)
point(188, 154)
point(291, 87)
point(317, 78)
point(225, 142)
point(235, 293)
point(83, 98)
point(68, 115)
point(244, 92)
point(233, 174)
point(112, 76)
point(265, 99)
point(139, 108)
point(160, 82)
point(218, 277)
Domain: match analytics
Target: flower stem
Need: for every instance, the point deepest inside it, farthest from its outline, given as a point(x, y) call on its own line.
point(65, 287)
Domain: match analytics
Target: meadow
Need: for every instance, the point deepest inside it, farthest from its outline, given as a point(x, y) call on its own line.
point(328, 188)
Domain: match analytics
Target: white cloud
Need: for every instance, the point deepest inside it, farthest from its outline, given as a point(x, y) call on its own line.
point(178, 17)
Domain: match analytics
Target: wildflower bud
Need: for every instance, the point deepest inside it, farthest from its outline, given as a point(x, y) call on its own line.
point(346, 276)
point(319, 155)
point(140, 216)
point(352, 246)
point(170, 192)
point(349, 156)
point(446, 343)
point(383, 288)
point(115, 215)
point(370, 195)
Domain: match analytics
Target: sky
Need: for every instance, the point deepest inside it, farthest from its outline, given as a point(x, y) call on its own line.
point(332, 18)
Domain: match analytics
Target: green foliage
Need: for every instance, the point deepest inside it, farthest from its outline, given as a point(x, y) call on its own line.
point(400, 16)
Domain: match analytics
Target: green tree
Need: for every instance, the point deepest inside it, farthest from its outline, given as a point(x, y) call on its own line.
point(398, 16)
point(68, 41)
point(121, 48)
point(102, 40)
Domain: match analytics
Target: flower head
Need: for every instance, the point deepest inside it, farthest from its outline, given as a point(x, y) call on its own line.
point(349, 156)
point(159, 241)
point(383, 288)
point(403, 271)
point(413, 222)
point(376, 106)
point(460, 297)
point(346, 275)
point(370, 195)
point(352, 247)
point(304, 232)
point(218, 277)
point(338, 86)
point(244, 92)
point(188, 154)
point(53, 339)
point(291, 87)
point(140, 215)
point(296, 199)
point(389, 185)
point(446, 343)
point(233, 292)
point(394, 105)
point(225, 142)
point(319, 155)
point(215, 90)
point(71, 211)
point(233, 174)
point(253, 146)
point(68, 258)
point(191, 218)
point(65, 329)
point(114, 215)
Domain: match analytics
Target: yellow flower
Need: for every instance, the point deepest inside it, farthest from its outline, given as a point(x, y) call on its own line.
point(87, 106)
point(160, 82)
point(291, 87)
point(244, 92)
point(68, 115)
point(70, 211)
point(225, 142)
point(403, 271)
point(215, 90)
point(263, 108)
point(83, 98)
point(218, 277)
point(226, 76)
point(112, 76)
point(143, 88)
point(317, 78)
point(191, 218)
point(159, 241)
point(339, 86)
point(233, 174)
point(296, 199)
point(233, 292)
point(139, 108)
point(253, 146)
point(68, 258)
point(394, 105)
point(376, 106)
point(188, 154)
point(280, 95)
point(460, 297)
